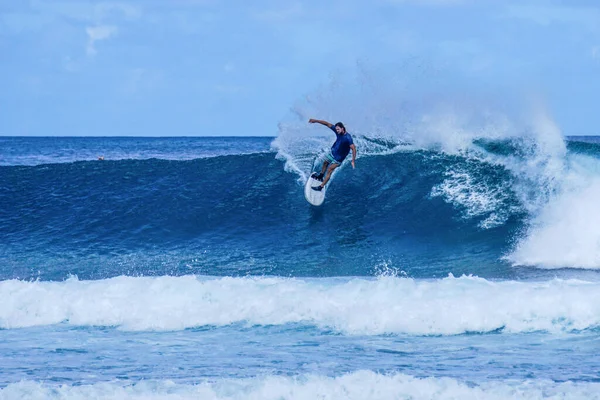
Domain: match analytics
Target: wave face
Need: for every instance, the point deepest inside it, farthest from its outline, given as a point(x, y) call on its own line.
point(420, 212)
point(236, 214)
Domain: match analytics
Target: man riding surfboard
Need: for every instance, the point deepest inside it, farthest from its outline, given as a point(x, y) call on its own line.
point(340, 149)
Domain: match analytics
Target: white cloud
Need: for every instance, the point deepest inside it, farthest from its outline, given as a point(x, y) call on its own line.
point(97, 33)
point(62, 18)
point(596, 52)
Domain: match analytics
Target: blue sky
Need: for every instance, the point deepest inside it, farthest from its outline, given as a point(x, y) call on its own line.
point(209, 67)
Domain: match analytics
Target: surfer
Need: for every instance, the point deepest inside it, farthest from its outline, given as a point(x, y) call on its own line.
point(339, 151)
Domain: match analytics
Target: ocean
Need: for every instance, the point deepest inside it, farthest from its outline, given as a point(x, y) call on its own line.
point(193, 268)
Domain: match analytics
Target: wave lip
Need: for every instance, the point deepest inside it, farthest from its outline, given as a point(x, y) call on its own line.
point(387, 305)
point(361, 385)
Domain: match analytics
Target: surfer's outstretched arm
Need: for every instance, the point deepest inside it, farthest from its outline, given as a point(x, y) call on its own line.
point(319, 121)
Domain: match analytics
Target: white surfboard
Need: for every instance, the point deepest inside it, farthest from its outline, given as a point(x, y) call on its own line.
point(314, 197)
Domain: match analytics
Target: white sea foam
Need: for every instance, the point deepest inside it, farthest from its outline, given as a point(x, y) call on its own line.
point(566, 231)
point(360, 385)
point(477, 198)
point(351, 306)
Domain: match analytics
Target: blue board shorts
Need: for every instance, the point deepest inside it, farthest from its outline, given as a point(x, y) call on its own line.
point(329, 157)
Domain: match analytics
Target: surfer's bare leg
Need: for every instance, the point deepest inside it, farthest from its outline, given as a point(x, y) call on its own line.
point(319, 177)
point(329, 172)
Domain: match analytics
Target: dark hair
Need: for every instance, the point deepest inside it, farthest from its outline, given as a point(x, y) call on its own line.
point(341, 125)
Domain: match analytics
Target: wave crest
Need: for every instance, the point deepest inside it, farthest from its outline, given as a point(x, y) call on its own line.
point(386, 305)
